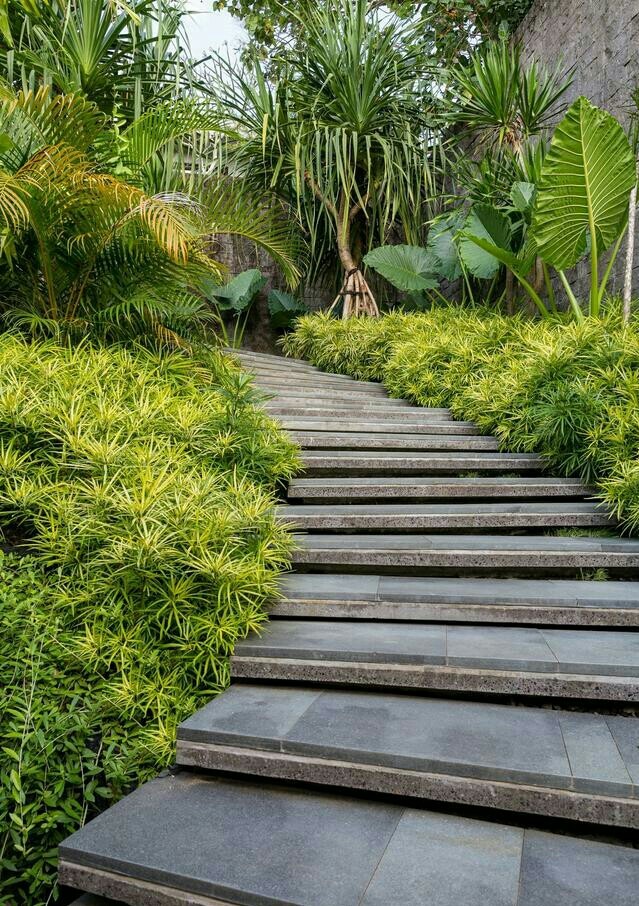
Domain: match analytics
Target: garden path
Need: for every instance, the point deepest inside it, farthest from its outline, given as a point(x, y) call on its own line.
point(441, 710)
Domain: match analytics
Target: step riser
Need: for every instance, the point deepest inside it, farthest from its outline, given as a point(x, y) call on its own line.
point(505, 614)
point(388, 417)
point(438, 565)
point(474, 489)
point(414, 523)
point(319, 383)
point(129, 890)
point(324, 441)
point(348, 427)
point(414, 784)
point(319, 400)
point(428, 678)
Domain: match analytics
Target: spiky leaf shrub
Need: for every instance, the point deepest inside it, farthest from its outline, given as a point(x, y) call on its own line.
point(568, 391)
point(143, 487)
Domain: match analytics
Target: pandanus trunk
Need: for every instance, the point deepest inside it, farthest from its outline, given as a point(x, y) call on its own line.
point(355, 295)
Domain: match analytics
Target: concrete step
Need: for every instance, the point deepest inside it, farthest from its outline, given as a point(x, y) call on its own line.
point(470, 554)
point(323, 386)
point(552, 602)
point(265, 358)
point(348, 427)
point(434, 488)
point(190, 840)
point(294, 398)
point(574, 765)
point(345, 440)
point(319, 381)
point(415, 517)
point(564, 663)
point(308, 375)
point(382, 462)
point(384, 415)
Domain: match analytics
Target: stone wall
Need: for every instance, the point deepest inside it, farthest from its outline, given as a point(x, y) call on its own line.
point(599, 41)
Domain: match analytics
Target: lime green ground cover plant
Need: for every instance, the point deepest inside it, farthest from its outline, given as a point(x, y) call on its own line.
point(568, 390)
point(142, 487)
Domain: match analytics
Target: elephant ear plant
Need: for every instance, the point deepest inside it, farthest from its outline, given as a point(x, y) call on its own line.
point(581, 205)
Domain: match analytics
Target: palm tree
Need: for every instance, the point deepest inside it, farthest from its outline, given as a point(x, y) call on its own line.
point(344, 136)
point(84, 250)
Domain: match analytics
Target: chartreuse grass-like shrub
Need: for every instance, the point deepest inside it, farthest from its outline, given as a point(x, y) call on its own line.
point(142, 489)
point(568, 391)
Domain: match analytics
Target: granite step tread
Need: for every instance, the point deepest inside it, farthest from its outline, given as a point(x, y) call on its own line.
point(313, 848)
point(334, 488)
point(348, 426)
point(445, 516)
point(307, 375)
point(322, 383)
point(344, 462)
point(411, 598)
point(292, 396)
point(368, 440)
point(564, 764)
point(530, 649)
point(466, 552)
point(344, 412)
point(582, 664)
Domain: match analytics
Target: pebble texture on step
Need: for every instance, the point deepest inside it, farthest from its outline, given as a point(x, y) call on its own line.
point(255, 845)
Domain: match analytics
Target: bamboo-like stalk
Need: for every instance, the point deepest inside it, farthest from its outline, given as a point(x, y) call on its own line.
point(630, 253)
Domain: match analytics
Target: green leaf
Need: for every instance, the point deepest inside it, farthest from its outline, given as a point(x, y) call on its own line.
point(441, 245)
point(523, 196)
point(408, 268)
point(490, 225)
point(239, 293)
point(585, 184)
point(284, 308)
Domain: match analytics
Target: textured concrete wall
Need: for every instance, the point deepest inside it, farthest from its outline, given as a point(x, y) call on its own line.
point(599, 40)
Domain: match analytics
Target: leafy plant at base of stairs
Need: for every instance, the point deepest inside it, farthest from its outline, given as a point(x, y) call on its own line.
point(567, 390)
point(142, 485)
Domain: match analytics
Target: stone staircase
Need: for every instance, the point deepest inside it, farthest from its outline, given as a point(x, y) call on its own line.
point(442, 711)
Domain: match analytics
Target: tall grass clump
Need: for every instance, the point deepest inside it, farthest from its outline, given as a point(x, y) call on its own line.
point(141, 488)
point(569, 391)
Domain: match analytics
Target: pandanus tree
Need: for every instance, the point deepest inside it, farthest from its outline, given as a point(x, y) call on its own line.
point(344, 134)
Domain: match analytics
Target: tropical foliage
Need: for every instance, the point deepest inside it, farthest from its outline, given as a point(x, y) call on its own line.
point(343, 135)
point(567, 390)
point(143, 485)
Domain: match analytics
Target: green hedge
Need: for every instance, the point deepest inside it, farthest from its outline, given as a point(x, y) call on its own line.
point(567, 391)
point(142, 488)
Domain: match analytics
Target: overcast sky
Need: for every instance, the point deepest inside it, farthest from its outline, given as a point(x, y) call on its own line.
point(208, 30)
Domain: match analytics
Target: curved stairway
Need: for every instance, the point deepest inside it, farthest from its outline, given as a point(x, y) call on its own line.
point(441, 711)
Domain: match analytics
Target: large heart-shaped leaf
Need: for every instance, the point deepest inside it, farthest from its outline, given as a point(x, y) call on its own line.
point(523, 197)
point(238, 293)
point(442, 246)
point(489, 224)
point(585, 185)
point(408, 268)
point(284, 308)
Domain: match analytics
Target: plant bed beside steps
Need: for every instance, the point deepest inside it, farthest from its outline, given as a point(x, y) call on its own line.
point(443, 708)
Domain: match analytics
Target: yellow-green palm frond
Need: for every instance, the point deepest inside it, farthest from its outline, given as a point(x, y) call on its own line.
point(163, 124)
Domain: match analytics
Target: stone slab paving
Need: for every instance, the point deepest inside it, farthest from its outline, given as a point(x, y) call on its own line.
point(307, 848)
point(416, 516)
point(325, 440)
point(497, 743)
point(398, 463)
point(338, 690)
point(562, 602)
point(425, 488)
point(487, 553)
point(507, 648)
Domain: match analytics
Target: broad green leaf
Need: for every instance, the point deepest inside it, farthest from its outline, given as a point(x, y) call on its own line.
point(284, 308)
point(408, 268)
point(441, 244)
point(239, 293)
point(523, 196)
point(502, 256)
point(489, 224)
point(585, 184)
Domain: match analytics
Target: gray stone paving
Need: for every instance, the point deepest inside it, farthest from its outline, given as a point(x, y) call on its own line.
point(388, 642)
